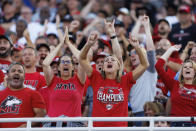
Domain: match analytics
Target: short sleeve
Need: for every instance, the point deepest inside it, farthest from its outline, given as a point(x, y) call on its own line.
point(128, 79)
point(42, 82)
point(94, 75)
point(54, 80)
point(37, 100)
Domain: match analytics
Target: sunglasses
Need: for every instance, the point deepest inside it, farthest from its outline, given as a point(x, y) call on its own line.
point(65, 62)
point(132, 53)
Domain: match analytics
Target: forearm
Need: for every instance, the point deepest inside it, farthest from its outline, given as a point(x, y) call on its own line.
point(47, 61)
point(74, 50)
point(174, 66)
point(60, 34)
point(29, 42)
point(84, 51)
point(149, 41)
point(125, 41)
point(116, 48)
point(166, 55)
point(87, 9)
point(89, 27)
point(136, 28)
point(142, 56)
point(184, 54)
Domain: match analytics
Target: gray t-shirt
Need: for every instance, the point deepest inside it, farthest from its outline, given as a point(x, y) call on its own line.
point(145, 88)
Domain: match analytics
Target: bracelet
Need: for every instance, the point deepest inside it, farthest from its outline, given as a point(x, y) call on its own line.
point(112, 37)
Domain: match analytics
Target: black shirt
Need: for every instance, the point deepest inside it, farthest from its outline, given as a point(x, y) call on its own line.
point(182, 36)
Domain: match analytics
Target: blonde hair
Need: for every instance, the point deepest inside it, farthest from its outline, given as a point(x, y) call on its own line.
point(181, 78)
point(119, 72)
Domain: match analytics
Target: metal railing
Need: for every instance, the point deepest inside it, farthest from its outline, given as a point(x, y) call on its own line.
point(90, 121)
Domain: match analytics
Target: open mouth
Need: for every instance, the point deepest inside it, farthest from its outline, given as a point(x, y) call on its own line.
point(65, 69)
point(133, 60)
point(100, 69)
point(16, 78)
point(188, 72)
point(2, 49)
point(27, 60)
point(43, 57)
point(109, 66)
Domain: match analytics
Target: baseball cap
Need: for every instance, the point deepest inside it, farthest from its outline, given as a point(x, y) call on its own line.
point(67, 18)
point(163, 20)
point(184, 8)
point(55, 60)
point(52, 34)
point(124, 10)
point(7, 38)
point(43, 45)
point(100, 55)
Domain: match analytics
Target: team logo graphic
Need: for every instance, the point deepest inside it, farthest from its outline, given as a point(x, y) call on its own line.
point(189, 94)
point(110, 96)
point(10, 105)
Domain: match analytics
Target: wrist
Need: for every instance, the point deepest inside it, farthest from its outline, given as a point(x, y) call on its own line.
point(113, 37)
point(112, 34)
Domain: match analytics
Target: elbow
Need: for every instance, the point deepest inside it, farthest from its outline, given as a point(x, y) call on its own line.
point(146, 65)
point(42, 113)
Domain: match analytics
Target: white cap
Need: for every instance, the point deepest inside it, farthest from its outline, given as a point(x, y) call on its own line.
point(124, 10)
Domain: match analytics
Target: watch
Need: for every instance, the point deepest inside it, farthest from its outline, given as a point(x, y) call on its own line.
point(112, 37)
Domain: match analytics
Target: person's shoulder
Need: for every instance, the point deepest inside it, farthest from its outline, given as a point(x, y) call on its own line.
point(176, 26)
point(193, 25)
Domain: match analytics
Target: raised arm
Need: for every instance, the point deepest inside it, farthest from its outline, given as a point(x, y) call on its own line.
point(59, 31)
point(109, 26)
point(28, 39)
point(81, 73)
point(83, 59)
point(43, 32)
point(160, 67)
point(184, 54)
point(136, 27)
point(149, 42)
point(48, 73)
point(142, 57)
point(87, 8)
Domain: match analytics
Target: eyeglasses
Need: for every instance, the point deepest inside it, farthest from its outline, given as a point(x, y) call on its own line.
point(132, 52)
point(65, 62)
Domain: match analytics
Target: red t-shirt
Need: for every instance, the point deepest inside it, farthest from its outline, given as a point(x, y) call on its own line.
point(65, 97)
point(183, 99)
point(110, 98)
point(4, 64)
point(16, 104)
point(1, 76)
point(45, 92)
point(39, 69)
point(34, 81)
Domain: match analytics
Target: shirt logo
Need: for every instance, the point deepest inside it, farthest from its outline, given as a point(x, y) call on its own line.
point(110, 96)
point(10, 105)
point(68, 86)
point(32, 84)
point(186, 93)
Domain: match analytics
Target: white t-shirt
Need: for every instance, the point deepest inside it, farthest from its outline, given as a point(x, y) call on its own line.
point(145, 88)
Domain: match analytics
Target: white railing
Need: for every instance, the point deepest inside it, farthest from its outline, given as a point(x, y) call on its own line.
point(90, 127)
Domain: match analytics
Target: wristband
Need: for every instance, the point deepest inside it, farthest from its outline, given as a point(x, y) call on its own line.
point(112, 37)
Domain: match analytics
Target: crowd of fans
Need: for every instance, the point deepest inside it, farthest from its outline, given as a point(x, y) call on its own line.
point(99, 58)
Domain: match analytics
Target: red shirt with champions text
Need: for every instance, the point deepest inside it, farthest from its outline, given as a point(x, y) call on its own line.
point(110, 98)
